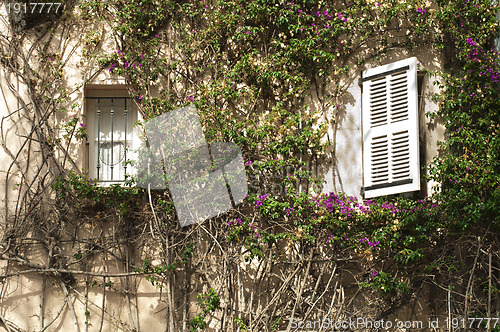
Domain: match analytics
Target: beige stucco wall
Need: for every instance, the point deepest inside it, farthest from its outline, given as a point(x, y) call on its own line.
point(20, 296)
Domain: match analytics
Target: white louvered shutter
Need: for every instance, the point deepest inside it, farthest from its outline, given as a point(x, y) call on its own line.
point(390, 129)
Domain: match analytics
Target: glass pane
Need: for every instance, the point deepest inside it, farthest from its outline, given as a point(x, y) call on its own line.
point(110, 144)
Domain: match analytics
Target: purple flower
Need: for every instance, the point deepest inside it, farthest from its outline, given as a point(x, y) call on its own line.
point(111, 68)
point(421, 10)
point(470, 42)
point(126, 65)
point(191, 99)
point(374, 274)
point(140, 96)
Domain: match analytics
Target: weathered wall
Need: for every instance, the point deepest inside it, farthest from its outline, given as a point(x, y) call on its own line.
point(132, 302)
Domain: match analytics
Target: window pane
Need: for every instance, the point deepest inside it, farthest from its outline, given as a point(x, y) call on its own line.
point(112, 139)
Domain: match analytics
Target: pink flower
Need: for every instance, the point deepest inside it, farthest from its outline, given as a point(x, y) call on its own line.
point(140, 96)
point(111, 68)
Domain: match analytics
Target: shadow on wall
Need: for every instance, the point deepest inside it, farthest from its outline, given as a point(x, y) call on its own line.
point(345, 136)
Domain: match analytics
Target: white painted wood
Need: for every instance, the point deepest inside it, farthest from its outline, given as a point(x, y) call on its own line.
point(390, 129)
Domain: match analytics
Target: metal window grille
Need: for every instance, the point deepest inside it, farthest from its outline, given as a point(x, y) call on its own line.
point(111, 138)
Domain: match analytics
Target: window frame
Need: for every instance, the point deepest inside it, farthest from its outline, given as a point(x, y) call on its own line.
point(106, 92)
point(381, 154)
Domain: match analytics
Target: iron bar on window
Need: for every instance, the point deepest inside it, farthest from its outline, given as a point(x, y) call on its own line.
point(98, 136)
point(112, 113)
point(110, 158)
point(125, 145)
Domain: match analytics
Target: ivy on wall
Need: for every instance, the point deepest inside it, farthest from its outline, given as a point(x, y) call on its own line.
point(270, 77)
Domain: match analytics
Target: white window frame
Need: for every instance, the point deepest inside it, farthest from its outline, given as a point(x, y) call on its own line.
point(390, 129)
point(96, 98)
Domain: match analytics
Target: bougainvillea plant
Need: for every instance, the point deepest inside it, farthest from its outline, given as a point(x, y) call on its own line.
point(269, 76)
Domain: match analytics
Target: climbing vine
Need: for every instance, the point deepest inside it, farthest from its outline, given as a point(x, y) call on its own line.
point(272, 77)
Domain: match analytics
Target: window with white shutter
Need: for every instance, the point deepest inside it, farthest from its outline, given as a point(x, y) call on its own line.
point(390, 129)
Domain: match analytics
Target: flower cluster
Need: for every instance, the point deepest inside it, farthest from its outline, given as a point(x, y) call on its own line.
point(235, 222)
point(240, 229)
point(260, 200)
point(347, 206)
point(256, 230)
point(375, 245)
